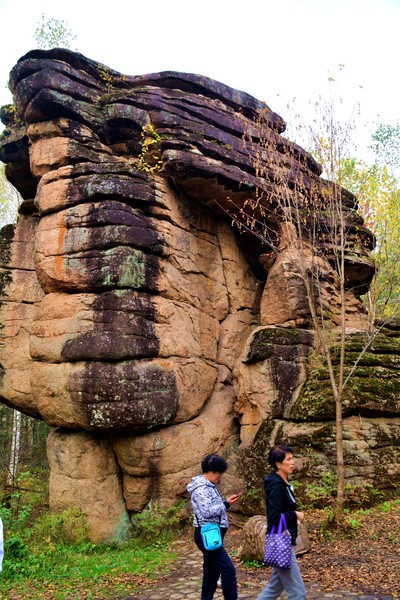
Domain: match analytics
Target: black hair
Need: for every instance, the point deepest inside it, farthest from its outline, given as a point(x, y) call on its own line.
point(277, 454)
point(215, 463)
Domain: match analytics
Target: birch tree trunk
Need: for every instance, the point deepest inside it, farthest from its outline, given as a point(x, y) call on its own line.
point(15, 448)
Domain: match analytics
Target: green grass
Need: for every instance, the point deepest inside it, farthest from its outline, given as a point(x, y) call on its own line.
point(69, 571)
point(253, 564)
point(41, 561)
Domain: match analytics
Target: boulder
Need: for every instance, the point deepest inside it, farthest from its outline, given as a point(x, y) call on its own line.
point(163, 462)
point(84, 474)
point(254, 532)
point(20, 292)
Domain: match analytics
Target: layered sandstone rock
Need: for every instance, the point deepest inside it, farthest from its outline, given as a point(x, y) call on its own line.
point(20, 292)
point(135, 317)
point(287, 398)
point(84, 473)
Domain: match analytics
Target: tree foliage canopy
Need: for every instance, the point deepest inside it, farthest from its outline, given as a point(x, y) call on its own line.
point(378, 195)
point(378, 192)
point(386, 145)
point(53, 33)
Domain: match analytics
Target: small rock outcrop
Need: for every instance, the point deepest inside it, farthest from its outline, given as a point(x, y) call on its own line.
point(138, 322)
point(254, 532)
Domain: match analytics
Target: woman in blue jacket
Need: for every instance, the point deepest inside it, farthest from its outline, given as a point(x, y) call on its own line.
point(279, 499)
point(209, 507)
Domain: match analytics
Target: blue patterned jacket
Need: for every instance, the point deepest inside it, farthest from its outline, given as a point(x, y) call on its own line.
point(208, 506)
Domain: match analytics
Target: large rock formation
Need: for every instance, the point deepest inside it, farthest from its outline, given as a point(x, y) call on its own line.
point(135, 318)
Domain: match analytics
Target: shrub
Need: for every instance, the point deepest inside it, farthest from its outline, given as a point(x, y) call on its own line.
point(15, 548)
point(323, 495)
point(68, 525)
point(156, 524)
point(360, 495)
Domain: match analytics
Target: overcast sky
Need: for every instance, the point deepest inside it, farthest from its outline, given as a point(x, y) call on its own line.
point(281, 51)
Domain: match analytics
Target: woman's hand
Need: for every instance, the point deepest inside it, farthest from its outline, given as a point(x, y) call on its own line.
point(233, 498)
point(300, 516)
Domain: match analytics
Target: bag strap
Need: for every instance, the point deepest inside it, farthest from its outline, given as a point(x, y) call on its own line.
point(282, 524)
point(195, 516)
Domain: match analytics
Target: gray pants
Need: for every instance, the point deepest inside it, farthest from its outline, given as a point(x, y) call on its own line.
point(284, 579)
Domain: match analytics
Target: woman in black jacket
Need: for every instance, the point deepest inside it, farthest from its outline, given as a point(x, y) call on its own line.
point(279, 499)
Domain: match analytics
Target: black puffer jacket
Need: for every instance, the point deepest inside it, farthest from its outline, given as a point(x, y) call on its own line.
point(279, 498)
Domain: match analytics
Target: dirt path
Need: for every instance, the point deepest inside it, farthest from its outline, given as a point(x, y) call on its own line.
point(185, 581)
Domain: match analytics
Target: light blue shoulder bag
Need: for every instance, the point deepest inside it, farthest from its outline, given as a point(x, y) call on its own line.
point(211, 536)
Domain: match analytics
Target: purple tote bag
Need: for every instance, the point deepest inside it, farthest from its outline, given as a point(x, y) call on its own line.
point(278, 546)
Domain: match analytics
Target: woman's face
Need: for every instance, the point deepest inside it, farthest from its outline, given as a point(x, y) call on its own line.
point(286, 467)
point(214, 476)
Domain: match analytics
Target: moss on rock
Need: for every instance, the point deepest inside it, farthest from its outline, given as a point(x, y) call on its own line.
point(373, 386)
